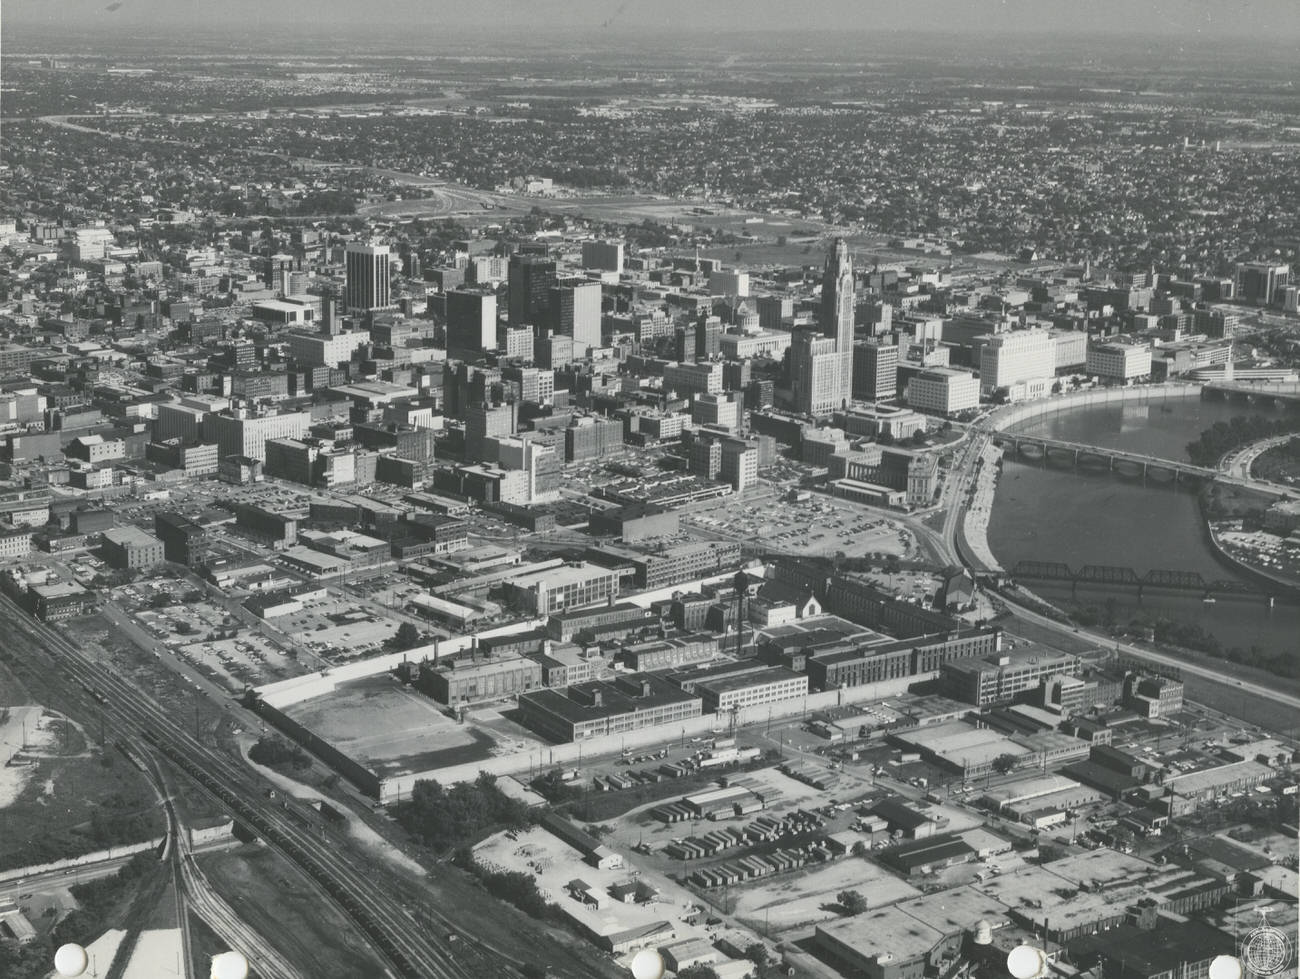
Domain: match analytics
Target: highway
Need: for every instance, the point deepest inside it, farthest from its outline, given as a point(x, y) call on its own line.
point(1163, 659)
point(379, 905)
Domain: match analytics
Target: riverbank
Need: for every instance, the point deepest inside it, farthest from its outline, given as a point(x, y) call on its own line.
point(1224, 546)
point(1004, 418)
point(973, 528)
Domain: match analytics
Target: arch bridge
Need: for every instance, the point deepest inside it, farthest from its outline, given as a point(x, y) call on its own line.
point(1081, 456)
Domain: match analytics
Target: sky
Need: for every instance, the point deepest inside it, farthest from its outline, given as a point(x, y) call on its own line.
point(1269, 21)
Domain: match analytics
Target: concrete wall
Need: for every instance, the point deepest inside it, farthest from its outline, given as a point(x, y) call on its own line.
point(286, 693)
point(399, 786)
point(1011, 415)
point(86, 859)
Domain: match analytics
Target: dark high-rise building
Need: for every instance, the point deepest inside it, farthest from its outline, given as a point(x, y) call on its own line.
point(367, 277)
point(471, 321)
point(875, 370)
point(774, 311)
point(530, 280)
point(837, 312)
point(684, 349)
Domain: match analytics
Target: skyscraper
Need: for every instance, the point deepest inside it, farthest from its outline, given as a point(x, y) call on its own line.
point(815, 374)
point(875, 372)
point(471, 321)
point(837, 313)
point(574, 310)
point(530, 278)
point(367, 282)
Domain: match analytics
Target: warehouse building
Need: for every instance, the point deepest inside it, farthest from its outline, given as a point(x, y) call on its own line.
point(566, 587)
point(751, 690)
point(587, 710)
point(131, 547)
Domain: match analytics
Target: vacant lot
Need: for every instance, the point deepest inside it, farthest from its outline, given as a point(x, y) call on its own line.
point(274, 897)
point(389, 728)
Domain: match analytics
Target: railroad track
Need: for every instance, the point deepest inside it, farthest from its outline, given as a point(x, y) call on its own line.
point(366, 898)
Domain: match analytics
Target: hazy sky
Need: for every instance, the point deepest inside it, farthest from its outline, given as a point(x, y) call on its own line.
point(1269, 21)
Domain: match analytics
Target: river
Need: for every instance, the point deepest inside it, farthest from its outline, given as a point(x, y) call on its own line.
point(1051, 514)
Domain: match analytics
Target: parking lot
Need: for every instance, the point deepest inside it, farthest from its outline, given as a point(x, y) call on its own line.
point(818, 525)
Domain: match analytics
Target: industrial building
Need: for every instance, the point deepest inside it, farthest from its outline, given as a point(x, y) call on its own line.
point(588, 710)
point(131, 547)
point(567, 587)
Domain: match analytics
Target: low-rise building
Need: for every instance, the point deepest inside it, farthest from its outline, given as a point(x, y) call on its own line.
point(629, 703)
point(567, 587)
point(131, 547)
point(751, 689)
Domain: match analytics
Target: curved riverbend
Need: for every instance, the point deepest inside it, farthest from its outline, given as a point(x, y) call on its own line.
point(1044, 513)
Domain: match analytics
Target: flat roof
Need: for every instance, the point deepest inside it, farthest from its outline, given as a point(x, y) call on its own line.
point(1212, 778)
point(130, 534)
point(564, 575)
point(616, 699)
point(885, 931)
point(775, 674)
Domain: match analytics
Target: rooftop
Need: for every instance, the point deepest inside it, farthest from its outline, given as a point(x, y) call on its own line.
point(888, 932)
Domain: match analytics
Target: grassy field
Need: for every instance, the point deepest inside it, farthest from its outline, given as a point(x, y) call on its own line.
point(278, 900)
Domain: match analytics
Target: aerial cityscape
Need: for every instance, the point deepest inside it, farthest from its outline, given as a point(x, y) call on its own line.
point(590, 490)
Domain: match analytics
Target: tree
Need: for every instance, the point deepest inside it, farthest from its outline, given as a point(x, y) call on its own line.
point(860, 849)
point(757, 953)
point(700, 971)
point(1004, 763)
point(407, 637)
point(852, 901)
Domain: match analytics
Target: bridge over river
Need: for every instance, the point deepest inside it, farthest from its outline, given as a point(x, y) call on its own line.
point(1111, 577)
point(1098, 457)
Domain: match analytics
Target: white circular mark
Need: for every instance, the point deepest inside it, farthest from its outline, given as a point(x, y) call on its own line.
point(229, 965)
point(1025, 961)
point(1225, 967)
point(71, 960)
point(647, 964)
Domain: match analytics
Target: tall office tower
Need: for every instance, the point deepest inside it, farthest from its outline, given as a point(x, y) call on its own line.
point(471, 321)
point(708, 337)
point(1258, 283)
point(483, 424)
point(815, 374)
point(367, 282)
point(875, 370)
point(574, 307)
point(774, 311)
point(604, 255)
point(1015, 357)
point(530, 278)
point(331, 323)
point(837, 314)
point(276, 265)
point(685, 341)
point(881, 317)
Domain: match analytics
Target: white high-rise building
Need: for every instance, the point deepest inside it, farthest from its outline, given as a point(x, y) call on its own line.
point(1008, 359)
point(821, 368)
point(837, 313)
point(248, 436)
point(815, 374)
point(943, 390)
